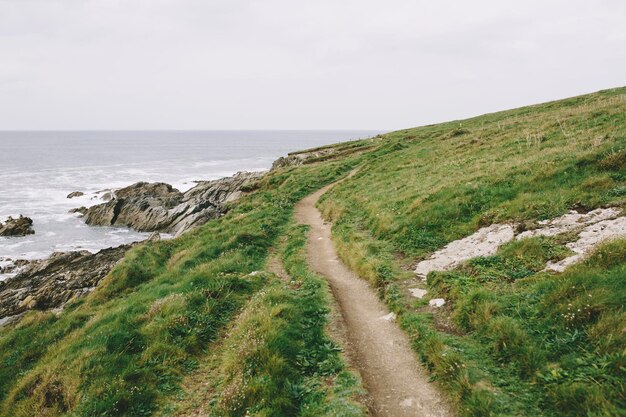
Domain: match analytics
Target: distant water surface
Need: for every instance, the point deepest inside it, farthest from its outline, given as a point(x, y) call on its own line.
point(39, 169)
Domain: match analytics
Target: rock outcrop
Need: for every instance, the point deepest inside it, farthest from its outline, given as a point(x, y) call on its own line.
point(50, 283)
point(21, 226)
point(81, 210)
point(299, 158)
point(591, 229)
point(149, 207)
point(75, 194)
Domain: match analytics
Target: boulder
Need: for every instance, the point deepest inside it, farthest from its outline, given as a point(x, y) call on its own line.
point(75, 194)
point(21, 226)
point(149, 207)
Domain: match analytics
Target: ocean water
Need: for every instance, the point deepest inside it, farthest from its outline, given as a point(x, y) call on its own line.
point(39, 169)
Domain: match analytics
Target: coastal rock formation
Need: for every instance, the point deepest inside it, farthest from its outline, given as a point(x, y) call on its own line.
point(299, 158)
point(50, 283)
point(9, 266)
point(149, 207)
point(75, 194)
point(21, 226)
point(81, 210)
point(142, 206)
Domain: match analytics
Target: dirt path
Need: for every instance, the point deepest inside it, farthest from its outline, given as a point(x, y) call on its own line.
point(396, 383)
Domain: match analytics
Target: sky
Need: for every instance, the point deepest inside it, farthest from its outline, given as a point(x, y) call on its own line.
point(296, 64)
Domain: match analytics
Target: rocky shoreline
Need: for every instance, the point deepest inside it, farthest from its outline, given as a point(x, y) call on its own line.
point(48, 284)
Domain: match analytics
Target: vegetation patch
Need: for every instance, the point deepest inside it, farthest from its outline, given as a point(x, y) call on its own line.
point(517, 341)
point(124, 349)
point(279, 360)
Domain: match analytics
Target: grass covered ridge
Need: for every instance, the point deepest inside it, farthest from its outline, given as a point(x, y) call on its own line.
point(512, 340)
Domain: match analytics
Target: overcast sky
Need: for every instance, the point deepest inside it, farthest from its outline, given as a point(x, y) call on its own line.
point(296, 64)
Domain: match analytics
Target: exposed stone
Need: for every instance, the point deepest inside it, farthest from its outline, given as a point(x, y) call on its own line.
point(418, 292)
point(21, 226)
point(75, 194)
point(154, 237)
point(592, 228)
point(8, 266)
point(50, 283)
point(389, 317)
point(82, 210)
point(104, 195)
point(437, 302)
point(29, 302)
point(484, 242)
point(569, 222)
point(588, 239)
point(299, 158)
point(159, 207)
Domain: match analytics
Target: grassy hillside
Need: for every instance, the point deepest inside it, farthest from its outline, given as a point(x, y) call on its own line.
point(185, 324)
point(174, 307)
point(512, 340)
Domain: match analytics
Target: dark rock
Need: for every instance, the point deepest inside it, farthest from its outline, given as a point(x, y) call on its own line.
point(13, 266)
point(82, 210)
point(21, 226)
point(75, 194)
point(149, 207)
point(50, 283)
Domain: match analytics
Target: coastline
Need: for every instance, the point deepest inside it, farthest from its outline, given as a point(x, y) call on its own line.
point(48, 283)
point(156, 209)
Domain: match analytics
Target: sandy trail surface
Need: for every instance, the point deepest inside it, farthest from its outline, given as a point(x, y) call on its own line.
point(397, 384)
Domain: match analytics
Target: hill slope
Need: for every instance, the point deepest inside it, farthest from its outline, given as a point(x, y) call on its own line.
point(511, 340)
point(187, 325)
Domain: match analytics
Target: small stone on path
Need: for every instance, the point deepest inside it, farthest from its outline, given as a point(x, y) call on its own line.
point(389, 317)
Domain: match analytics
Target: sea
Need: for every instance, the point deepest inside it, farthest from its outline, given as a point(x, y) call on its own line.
point(39, 169)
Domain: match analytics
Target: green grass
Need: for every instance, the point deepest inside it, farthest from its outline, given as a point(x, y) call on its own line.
point(279, 360)
point(125, 348)
point(511, 340)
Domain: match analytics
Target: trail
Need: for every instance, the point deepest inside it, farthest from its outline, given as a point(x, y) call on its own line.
point(397, 384)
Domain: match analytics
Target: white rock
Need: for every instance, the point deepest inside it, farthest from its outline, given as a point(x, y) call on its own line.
point(417, 292)
point(484, 242)
point(570, 221)
point(590, 238)
point(599, 225)
point(389, 317)
point(437, 302)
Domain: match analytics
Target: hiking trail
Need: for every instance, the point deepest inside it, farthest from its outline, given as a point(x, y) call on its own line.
point(397, 384)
